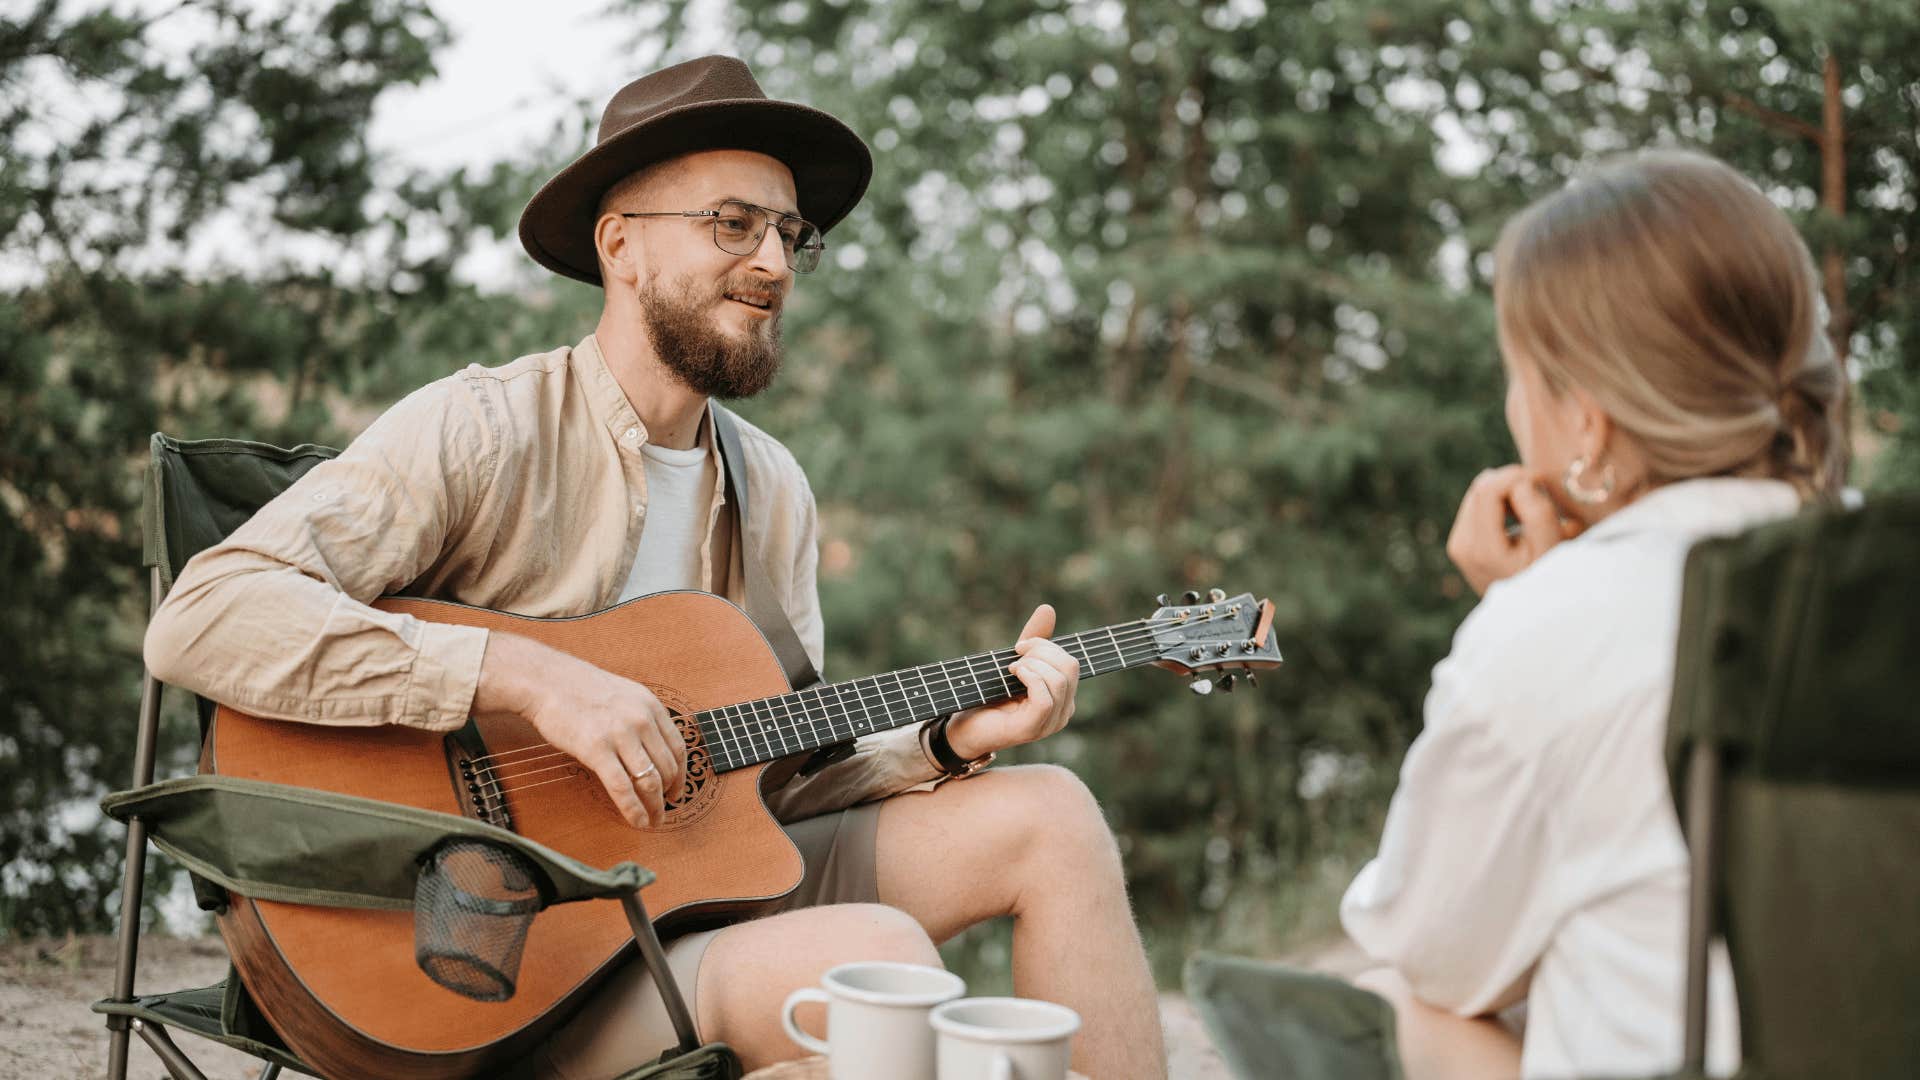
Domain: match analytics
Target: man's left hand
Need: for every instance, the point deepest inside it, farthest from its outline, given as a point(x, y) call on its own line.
point(1051, 678)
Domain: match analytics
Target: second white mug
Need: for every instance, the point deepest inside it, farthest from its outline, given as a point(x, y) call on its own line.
point(1004, 1039)
point(876, 1018)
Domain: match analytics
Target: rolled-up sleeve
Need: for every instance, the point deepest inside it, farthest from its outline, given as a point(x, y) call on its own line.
point(276, 620)
point(1461, 897)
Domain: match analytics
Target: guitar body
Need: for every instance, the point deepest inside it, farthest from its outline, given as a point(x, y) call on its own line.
point(340, 984)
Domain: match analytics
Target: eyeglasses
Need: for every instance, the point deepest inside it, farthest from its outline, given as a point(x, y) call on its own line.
point(738, 228)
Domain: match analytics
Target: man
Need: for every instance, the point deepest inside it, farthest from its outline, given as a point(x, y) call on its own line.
point(565, 482)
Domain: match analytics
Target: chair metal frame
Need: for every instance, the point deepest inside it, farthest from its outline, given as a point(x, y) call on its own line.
point(132, 893)
point(1703, 844)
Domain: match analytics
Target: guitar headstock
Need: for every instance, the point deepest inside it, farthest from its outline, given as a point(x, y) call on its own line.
point(1215, 633)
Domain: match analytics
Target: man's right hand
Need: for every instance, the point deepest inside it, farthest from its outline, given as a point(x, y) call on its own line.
point(613, 726)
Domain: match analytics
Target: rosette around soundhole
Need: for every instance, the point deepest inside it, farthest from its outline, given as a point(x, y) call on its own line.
point(703, 785)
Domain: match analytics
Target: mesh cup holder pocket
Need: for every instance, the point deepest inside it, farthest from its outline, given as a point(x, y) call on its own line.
point(471, 908)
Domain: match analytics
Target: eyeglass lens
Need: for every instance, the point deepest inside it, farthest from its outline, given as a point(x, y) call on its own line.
point(738, 229)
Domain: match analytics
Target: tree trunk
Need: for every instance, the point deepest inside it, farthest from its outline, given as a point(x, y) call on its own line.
point(1833, 199)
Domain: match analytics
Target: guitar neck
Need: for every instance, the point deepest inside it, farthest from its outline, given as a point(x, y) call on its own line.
point(752, 732)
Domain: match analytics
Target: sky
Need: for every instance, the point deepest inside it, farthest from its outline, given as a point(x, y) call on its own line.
point(507, 80)
point(511, 75)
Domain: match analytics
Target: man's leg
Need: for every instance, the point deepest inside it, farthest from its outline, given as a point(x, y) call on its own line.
point(1436, 1044)
point(1030, 842)
point(1027, 842)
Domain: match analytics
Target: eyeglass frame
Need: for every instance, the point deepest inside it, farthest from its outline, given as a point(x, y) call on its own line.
point(768, 216)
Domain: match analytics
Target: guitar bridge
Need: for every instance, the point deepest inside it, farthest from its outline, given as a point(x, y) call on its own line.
point(475, 783)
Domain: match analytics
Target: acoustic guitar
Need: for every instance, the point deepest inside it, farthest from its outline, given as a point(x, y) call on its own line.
point(341, 985)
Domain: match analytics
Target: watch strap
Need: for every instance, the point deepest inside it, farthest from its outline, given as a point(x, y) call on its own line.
point(941, 751)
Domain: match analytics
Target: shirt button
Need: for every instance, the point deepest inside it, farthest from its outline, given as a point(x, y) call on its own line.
point(632, 434)
point(639, 509)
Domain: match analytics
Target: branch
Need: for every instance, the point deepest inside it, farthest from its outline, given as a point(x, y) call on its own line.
point(1777, 120)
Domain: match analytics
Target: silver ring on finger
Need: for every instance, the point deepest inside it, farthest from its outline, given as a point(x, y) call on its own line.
point(646, 772)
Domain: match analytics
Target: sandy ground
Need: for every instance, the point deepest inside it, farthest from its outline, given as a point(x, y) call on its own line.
point(47, 1030)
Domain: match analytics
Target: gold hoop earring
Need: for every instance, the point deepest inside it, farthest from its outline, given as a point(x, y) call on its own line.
point(1577, 472)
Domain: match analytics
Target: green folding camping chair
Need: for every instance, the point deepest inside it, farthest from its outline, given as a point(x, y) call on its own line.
point(1794, 748)
point(473, 886)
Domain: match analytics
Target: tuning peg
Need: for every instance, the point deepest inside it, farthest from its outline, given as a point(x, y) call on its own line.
point(1161, 600)
point(1216, 595)
point(1203, 687)
point(1252, 679)
point(1227, 683)
point(1190, 597)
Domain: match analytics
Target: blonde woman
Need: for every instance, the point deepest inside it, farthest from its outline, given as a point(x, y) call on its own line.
point(1669, 379)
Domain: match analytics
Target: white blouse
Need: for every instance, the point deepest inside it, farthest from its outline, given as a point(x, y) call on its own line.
point(1531, 850)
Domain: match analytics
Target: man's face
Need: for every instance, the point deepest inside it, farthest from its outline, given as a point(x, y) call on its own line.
point(713, 317)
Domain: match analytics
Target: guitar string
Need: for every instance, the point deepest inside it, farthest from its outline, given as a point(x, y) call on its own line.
point(499, 786)
point(1132, 637)
point(502, 782)
point(732, 726)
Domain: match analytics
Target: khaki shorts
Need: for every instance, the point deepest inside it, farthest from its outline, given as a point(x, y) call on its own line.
point(624, 1024)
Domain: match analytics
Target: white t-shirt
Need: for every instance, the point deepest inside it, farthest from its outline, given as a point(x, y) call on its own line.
point(679, 500)
point(1532, 849)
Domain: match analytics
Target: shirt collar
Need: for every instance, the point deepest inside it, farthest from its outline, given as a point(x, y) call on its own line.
point(608, 402)
point(1708, 506)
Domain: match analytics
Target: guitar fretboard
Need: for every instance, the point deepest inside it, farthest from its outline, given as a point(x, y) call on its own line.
point(822, 715)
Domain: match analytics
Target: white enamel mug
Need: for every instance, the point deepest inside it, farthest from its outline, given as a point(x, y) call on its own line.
point(1004, 1039)
point(876, 1018)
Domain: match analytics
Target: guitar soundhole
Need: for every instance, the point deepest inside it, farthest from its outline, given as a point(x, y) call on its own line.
point(702, 782)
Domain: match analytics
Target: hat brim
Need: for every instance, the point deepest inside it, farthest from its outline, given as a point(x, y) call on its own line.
point(831, 167)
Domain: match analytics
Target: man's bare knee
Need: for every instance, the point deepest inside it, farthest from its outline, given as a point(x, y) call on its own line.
point(1062, 818)
point(880, 932)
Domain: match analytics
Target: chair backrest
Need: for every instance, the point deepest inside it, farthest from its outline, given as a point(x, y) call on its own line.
point(199, 491)
point(1794, 745)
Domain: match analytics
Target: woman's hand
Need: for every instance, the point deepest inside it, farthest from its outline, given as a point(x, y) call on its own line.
point(1480, 544)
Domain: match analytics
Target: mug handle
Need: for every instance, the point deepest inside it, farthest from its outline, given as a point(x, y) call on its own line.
point(806, 1041)
point(1001, 1068)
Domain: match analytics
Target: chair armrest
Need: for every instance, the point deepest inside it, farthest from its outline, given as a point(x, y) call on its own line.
point(301, 846)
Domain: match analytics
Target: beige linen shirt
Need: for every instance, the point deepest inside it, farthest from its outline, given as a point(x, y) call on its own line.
point(520, 488)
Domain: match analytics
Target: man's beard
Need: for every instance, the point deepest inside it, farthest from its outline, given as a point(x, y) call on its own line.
point(680, 324)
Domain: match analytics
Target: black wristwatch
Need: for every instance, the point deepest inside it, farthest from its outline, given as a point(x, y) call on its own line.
point(933, 739)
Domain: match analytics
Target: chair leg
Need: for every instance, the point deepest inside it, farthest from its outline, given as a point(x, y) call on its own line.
point(117, 1047)
point(271, 1071)
point(656, 960)
point(1703, 845)
point(176, 1062)
point(134, 876)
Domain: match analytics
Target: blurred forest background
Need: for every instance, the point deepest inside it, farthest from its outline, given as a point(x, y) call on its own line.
point(1145, 296)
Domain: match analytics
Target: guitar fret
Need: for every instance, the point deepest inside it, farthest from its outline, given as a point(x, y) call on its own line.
point(1077, 649)
point(927, 689)
point(881, 716)
point(907, 712)
point(961, 700)
point(806, 712)
point(1119, 657)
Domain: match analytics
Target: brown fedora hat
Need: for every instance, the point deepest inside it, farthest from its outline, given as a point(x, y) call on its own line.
point(712, 103)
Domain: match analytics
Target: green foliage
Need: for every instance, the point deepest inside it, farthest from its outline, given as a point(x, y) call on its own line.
point(112, 337)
